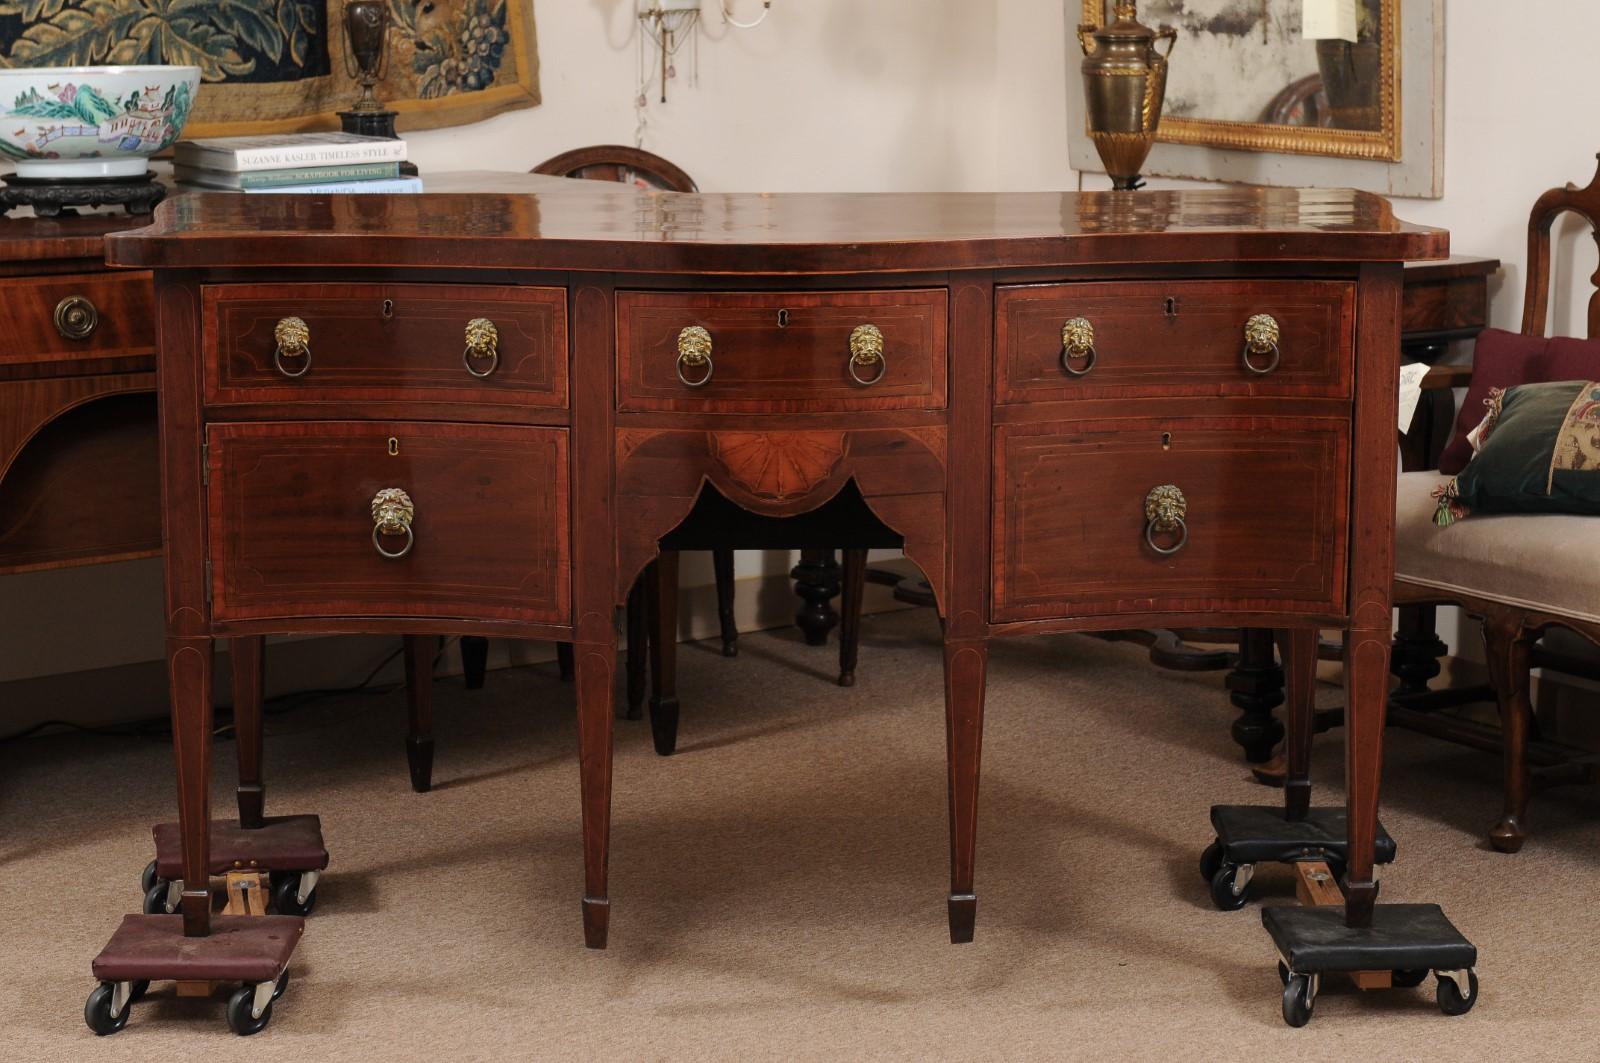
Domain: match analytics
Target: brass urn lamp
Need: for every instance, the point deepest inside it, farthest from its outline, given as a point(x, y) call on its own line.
point(1124, 82)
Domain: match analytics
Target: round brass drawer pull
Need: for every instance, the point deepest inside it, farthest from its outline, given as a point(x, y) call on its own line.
point(293, 339)
point(483, 341)
point(392, 513)
point(76, 317)
point(1077, 341)
point(866, 351)
point(1164, 511)
point(1261, 336)
point(694, 352)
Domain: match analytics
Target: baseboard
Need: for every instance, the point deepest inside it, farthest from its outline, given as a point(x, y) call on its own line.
point(122, 694)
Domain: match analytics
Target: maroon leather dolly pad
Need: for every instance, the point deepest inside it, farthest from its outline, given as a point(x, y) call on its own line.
point(282, 843)
point(240, 948)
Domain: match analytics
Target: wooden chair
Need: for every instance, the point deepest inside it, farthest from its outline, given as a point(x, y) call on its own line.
point(1519, 575)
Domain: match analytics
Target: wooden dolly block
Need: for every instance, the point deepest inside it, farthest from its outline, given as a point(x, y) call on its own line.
point(1315, 887)
point(247, 895)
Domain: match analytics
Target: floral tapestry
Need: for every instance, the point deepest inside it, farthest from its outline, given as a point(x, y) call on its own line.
point(274, 66)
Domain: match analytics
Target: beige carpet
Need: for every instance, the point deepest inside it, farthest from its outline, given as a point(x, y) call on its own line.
point(778, 885)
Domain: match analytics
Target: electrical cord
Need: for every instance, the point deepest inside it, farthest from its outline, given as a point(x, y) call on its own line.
point(160, 728)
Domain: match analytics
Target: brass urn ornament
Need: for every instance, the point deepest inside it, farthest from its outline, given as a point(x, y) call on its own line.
point(1124, 81)
point(366, 61)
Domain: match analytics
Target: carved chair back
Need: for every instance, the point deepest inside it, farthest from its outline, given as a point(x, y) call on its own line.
point(1584, 202)
point(616, 162)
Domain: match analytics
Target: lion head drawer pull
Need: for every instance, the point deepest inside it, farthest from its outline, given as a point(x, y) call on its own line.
point(293, 339)
point(483, 342)
point(1261, 336)
point(867, 363)
point(694, 355)
point(1164, 511)
point(392, 513)
point(76, 317)
point(1077, 342)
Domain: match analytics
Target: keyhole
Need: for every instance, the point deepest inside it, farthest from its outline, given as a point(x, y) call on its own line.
point(388, 309)
point(783, 318)
point(394, 446)
point(1166, 440)
point(1172, 307)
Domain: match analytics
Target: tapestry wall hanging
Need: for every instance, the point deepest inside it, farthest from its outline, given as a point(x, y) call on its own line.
point(279, 66)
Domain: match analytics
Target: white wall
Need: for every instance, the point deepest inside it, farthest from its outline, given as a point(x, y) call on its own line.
point(909, 94)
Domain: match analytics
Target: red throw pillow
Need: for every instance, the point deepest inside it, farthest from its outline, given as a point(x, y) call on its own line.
point(1504, 359)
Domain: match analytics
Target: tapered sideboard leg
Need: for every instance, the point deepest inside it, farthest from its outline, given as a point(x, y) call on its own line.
point(1366, 664)
point(965, 665)
point(1299, 649)
point(246, 656)
point(596, 664)
point(189, 683)
point(419, 652)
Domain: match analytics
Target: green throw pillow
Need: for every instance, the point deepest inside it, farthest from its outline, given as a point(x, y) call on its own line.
point(1538, 452)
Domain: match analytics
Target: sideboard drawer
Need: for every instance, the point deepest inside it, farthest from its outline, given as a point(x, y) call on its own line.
point(394, 342)
point(1263, 506)
point(782, 352)
point(295, 511)
point(1134, 338)
point(68, 317)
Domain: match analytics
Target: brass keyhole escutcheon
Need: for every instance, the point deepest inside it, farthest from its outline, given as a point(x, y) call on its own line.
point(394, 447)
point(1172, 307)
point(1166, 440)
point(388, 309)
point(783, 318)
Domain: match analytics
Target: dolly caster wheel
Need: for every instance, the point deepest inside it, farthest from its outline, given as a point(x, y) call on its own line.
point(1211, 860)
point(160, 899)
point(1408, 979)
point(1451, 1000)
point(97, 1010)
point(147, 877)
point(1299, 997)
point(286, 895)
point(243, 1019)
point(1230, 886)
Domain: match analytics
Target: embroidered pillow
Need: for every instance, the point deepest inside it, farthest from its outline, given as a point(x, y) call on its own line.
point(1538, 452)
point(1504, 359)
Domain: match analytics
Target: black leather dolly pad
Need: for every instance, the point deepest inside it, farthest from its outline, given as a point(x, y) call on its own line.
point(1255, 834)
point(1402, 937)
point(240, 948)
point(282, 843)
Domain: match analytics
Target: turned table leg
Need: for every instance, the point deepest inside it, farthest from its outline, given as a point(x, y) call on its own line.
point(246, 656)
point(816, 581)
point(189, 684)
point(419, 710)
point(1255, 686)
point(596, 665)
point(965, 665)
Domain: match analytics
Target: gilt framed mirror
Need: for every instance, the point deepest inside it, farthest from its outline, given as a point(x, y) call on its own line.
point(1251, 98)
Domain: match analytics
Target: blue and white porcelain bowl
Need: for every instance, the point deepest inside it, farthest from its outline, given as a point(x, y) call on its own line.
point(77, 122)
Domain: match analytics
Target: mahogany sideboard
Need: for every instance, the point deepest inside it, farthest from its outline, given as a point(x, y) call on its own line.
point(482, 413)
point(79, 480)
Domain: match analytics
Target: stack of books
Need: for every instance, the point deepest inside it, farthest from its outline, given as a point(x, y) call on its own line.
point(294, 162)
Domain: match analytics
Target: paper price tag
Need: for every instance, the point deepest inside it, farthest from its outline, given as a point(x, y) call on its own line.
point(1329, 20)
point(1410, 391)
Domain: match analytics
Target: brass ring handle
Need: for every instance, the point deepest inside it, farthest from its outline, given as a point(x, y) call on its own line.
point(76, 317)
point(483, 341)
point(392, 514)
point(1261, 336)
point(866, 350)
point(1077, 341)
point(293, 339)
point(1165, 510)
point(694, 352)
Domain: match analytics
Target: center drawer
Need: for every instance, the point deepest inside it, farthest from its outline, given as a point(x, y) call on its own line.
point(475, 343)
point(473, 519)
point(782, 352)
point(1128, 339)
point(1170, 515)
